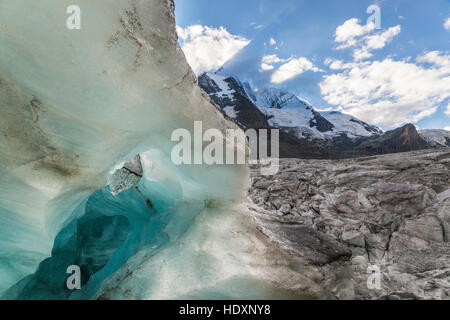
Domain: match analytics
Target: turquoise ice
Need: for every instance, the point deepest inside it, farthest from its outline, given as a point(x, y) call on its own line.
point(74, 104)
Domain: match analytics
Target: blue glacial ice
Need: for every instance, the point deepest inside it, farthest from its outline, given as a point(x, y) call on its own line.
point(74, 105)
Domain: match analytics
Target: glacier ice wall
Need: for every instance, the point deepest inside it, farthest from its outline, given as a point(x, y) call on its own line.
point(221, 256)
point(75, 103)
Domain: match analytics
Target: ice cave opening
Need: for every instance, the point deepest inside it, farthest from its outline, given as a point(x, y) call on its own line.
point(133, 212)
point(145, 208)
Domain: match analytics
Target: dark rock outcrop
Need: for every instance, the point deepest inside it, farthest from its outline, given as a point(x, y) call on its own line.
point(401, 139)
point(319, 122)
point(126, 177)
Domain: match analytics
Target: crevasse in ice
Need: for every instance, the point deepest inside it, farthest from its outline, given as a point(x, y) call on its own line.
point(73, 105)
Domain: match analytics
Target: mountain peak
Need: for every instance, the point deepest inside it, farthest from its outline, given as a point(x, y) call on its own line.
point(279, 99)
point(438, 138)
point(402, 139)
point(282, 109)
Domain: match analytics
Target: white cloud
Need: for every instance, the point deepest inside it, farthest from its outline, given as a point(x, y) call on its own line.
point(266, 67)
point(390, 92)
point(447, 24)
point(362, 54)
point(379, 41)
point(436, 59)
point(335, 64)
point(447, 128)
point(352, 34)
point(273, 58)
point(268, 61)
point(208, 48)
point(272, 41)
point(386, 92)
point(291, 69)
point(347, 33)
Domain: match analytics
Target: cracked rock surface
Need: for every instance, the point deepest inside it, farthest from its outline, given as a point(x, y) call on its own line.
point(340, 217)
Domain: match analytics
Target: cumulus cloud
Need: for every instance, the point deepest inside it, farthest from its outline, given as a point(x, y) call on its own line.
point(447, 24)
point(447, 128)
point(209, 48)
point(268, 61)
point(362, 38)
point(291, 69)
point(362, 53)
point(266, 67)
point(347, 33)
point(436, 59)
point(375, 42)
point(386, 92)
point(335, 64)
point(273, 58)
point(272, 41)
point(379, 41)
point(389, 92)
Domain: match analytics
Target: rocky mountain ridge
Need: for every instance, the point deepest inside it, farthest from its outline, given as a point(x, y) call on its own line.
point(307, 133)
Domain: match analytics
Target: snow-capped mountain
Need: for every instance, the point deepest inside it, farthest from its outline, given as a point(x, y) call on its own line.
point(232, 99)
point(284, 110)
point(436, 138)
point(277, 98)
point(306, 132)
point(310, 124)
point(353, 127)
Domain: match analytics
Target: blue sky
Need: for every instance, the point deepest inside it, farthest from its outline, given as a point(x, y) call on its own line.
point(325, 52)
